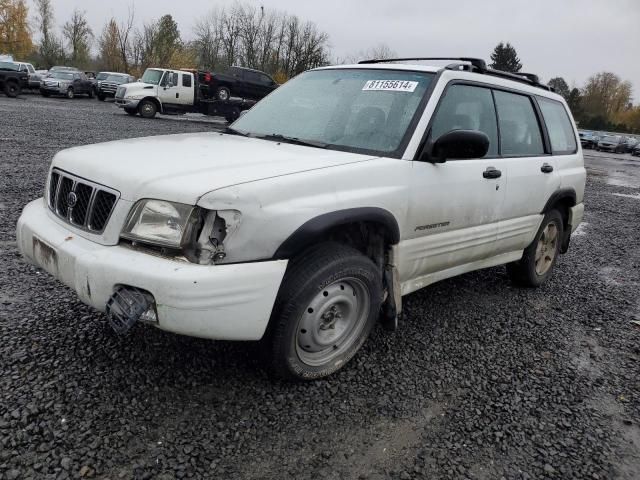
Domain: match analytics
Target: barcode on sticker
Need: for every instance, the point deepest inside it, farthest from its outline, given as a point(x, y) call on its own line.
point(390, 85)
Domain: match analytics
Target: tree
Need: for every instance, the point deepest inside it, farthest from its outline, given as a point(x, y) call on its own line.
point(108, 42)
point(79, 36)
point(606, 94)
point(51, 50)
point(15, 34)
point(505, 58)
point(125, 42)
point(167, 41)
point(560, 86)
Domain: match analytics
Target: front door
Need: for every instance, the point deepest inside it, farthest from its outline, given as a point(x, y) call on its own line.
point(454, 206)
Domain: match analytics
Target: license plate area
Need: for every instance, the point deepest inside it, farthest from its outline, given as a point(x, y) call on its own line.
point(45, 255)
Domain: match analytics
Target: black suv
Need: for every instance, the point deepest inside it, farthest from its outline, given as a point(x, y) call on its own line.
point(12, 81)
point(66, 82)
point(241, 82)
point(108, 84)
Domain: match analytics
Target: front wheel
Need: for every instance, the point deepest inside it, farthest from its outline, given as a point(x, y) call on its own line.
point(539, 258)
point(90, 93)
point(12, 89)
point(147, 109)
point(71, 94)
point(101, 97)
point(327, 305)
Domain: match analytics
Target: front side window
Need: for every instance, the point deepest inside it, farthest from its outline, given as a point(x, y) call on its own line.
point(466, 107)
point(360, 110)
point(519, 128)
point(559, 126)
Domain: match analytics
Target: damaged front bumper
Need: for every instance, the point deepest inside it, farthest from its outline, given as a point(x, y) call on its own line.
point(226, 302)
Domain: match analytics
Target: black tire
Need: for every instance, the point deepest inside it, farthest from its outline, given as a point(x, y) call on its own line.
point(131, 112)
point(233, 115)
point(12, 89)
point(526, 272)
point(327, 266)
point(90, 93)
point(147, 109)
point(223, 94)
point(44, 93)
point(71, 94)
point(101, 97)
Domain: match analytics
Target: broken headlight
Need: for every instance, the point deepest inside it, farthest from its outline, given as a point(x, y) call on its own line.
point(159, 222)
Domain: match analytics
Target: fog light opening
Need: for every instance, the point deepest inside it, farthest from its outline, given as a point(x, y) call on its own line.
point(129, 305)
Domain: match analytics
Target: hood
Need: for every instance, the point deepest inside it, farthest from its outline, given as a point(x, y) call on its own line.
point(184, 167)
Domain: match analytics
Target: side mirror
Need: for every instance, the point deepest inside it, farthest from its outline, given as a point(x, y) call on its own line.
point(456, 145)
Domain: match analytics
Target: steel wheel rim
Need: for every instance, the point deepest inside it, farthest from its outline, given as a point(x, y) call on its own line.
point(223, 95)
point(332, 321)
point(546, 249)
point(147, 109)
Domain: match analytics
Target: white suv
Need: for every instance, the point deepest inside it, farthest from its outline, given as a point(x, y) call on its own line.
point(308, 220)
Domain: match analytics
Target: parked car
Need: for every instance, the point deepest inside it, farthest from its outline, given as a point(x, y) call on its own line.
point(34, 76)
point(636, 150)
point(629, 144)
point(171, 92)
point(66, 82)
point(588, 139)
point(261, 232)
point(243, 83)
point(109, 83)
point(611, 143)
point(12, 80)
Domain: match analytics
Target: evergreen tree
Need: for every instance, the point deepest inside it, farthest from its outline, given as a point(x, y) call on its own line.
point(560, 86)
point(505, 58)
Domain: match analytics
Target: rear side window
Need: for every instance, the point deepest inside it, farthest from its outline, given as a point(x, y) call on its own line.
point(465, 107)
point(563, 140)
point(519, 128)
point(186, 80)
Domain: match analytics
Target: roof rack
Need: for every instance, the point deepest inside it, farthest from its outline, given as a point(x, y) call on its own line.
point(471, 64)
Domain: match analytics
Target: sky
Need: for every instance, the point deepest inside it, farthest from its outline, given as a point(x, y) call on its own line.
point(569, 38)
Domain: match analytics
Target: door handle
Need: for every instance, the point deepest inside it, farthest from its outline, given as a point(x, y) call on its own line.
point(492, 172)
point(177, 95)
point(546, 168)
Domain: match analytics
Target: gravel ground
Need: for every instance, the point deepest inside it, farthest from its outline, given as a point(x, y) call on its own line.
point(483, 380)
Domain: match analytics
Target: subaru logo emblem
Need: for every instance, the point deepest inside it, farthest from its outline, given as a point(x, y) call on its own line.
point(72, 199)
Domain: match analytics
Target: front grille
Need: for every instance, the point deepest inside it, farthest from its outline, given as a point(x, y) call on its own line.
point(81, 203)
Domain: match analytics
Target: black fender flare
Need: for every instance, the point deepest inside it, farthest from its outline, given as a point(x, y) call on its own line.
point(563, 194)
point(311, 230)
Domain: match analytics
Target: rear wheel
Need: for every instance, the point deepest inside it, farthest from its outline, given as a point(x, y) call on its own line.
point(12, 89)
point(223, 94)
point(539, 258)
point(147, 109)
point(327, 305)
point(70, 93)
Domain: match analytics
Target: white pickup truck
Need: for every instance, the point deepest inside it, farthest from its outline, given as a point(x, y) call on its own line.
point(175, 92)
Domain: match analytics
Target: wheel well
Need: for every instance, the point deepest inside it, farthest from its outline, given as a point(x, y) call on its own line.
point(367, 229)
point(154, 100)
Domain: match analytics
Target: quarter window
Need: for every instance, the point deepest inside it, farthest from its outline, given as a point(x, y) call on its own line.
point(465, 107)
point(563, 139)
point(519, 128)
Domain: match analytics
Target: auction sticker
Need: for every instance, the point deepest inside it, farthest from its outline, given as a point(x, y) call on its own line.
point(390, 85)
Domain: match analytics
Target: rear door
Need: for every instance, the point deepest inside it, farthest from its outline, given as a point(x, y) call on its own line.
point(186, 90)
point(531, 169)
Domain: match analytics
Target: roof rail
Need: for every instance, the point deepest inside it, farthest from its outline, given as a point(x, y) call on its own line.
point(476, 65)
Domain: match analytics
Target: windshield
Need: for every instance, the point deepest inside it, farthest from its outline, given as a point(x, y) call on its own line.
point(345, 109)
point(62, 75)
point(102, 76)
point(611, 138)
point(152, 76)
point(8, 66)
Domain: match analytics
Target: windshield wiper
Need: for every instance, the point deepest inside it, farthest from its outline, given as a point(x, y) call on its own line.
point(293, 140)
point(233, 131)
